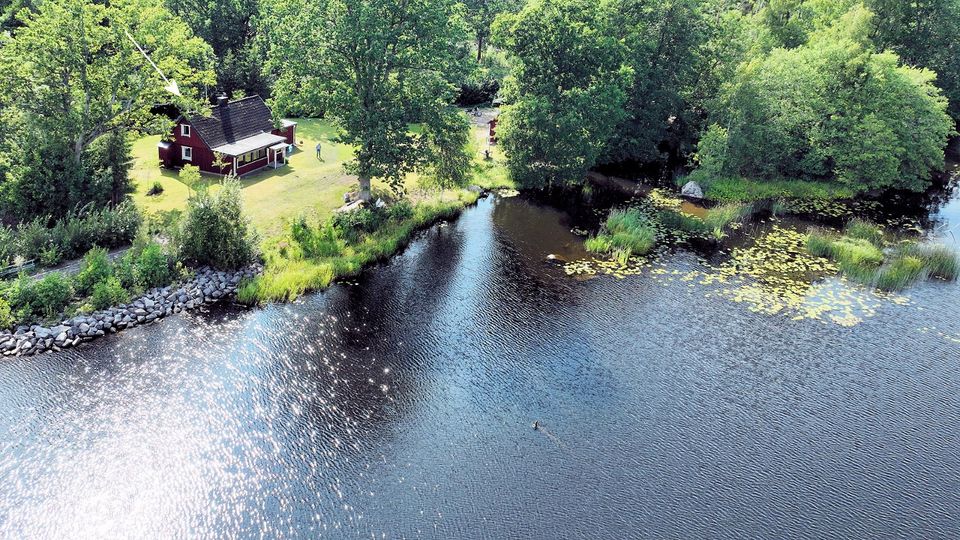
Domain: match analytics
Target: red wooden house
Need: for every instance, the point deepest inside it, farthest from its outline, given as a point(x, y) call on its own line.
point(237, 137)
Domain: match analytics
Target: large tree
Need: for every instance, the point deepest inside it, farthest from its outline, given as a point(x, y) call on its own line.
point(375, 67)
point(566, 94)
point(832, 110)
point(71, 75)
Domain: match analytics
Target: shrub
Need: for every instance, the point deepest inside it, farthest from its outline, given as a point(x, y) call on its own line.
point(215, 230)
point(155, 189)
point(323, 242)
point(6, 317)
point(51, 294)
point(152, 267)
point(355, 222)
point(400, 211)
point(78, 231)
point(124, 269)
point(7, 248)
point(50, 256)
point(94, 268)
point(109, 292)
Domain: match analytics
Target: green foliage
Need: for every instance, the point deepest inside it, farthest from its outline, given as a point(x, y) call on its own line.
point(48, 296)
point(864, 230)
point(8, 249)
point(940, 261)
point(625, 233)
point(291, 272)
point(153, 267)
point(845, 250)
point(108, 292)
point(67, 109)
point(215, 231)
point(447, 149)
point(94, 268)
point(155, 189)
point(831, 109)
point(324, 241)
point(900, 273)
point(6, 317)
point(125, 270)
point(76, 233)
point(376, 67)
point(740, 189)
point(566, 93)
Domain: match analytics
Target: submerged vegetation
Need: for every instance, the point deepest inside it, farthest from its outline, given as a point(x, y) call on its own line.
point(863, 254)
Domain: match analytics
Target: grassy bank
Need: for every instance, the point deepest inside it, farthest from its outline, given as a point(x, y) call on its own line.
point(868, 255)
point(313, 254)
point(740, 190)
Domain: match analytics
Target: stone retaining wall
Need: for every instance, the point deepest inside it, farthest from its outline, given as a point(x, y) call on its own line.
point(208, 286)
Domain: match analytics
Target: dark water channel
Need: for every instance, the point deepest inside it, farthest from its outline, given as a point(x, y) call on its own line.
point(401, 407)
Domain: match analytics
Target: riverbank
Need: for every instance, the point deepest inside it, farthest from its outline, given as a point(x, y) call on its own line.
point(311, 256)
point(206, 287)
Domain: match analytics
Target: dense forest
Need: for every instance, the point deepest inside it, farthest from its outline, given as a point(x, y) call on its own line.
point(845, 96)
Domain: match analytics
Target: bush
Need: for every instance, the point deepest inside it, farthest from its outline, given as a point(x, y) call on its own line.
point(215, 231)
point(7, 248)
point(155, 189)
point(109, 292)
point(76, 233)
point(94, 268)
point(50, 256)
point(400, 211)
point(125, 270)
point(51, 294)
point(323, 242)
point(6, 317)
point(356, 222)
point(152, 267)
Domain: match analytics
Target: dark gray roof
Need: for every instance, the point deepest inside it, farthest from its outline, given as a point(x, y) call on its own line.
point(236, 121)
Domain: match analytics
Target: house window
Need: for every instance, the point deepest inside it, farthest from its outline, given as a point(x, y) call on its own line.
point(186, 153)
point(185, 130)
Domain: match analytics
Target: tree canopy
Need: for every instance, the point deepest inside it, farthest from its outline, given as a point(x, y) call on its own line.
point(375, 67)
point(71, 75)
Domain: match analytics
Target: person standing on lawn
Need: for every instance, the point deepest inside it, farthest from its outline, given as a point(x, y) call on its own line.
point(318, 152)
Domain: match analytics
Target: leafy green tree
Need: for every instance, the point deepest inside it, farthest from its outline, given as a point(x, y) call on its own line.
point(374, 67)
point(831, 110)
point(230, 27)
point(566, 94)
point(662, 41)
point(70, 75)
point(480, 16)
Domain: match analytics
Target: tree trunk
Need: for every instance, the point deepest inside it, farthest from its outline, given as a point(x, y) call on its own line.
point(365, 189)
point(479, 48)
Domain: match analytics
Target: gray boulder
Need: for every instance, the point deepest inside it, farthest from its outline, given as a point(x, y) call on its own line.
point(692, 190)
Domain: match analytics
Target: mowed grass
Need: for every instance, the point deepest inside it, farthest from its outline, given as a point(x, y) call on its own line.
point(273, 198)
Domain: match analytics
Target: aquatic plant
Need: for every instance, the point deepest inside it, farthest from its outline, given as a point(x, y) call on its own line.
point(939, 261)
point(864, 230)
point(900, 273)
point(626, 232)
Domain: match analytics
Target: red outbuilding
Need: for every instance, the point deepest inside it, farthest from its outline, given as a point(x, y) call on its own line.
point(237, 137)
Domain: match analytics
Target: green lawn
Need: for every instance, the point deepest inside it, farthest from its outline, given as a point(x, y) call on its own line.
point(275, 196)
point(272, 196)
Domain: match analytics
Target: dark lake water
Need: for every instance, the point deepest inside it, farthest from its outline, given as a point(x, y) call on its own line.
point(401, 406)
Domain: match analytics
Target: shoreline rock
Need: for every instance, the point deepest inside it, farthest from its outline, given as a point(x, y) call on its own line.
point(206, 287)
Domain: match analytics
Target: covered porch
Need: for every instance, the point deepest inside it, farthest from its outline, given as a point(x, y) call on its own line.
point(254, 153)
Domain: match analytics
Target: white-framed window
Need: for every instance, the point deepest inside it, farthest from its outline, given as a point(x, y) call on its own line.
point(186, 153)
point(185, 130)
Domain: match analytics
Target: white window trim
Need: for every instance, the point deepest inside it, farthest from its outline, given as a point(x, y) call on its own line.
point(186, 153)
point(185, 130)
